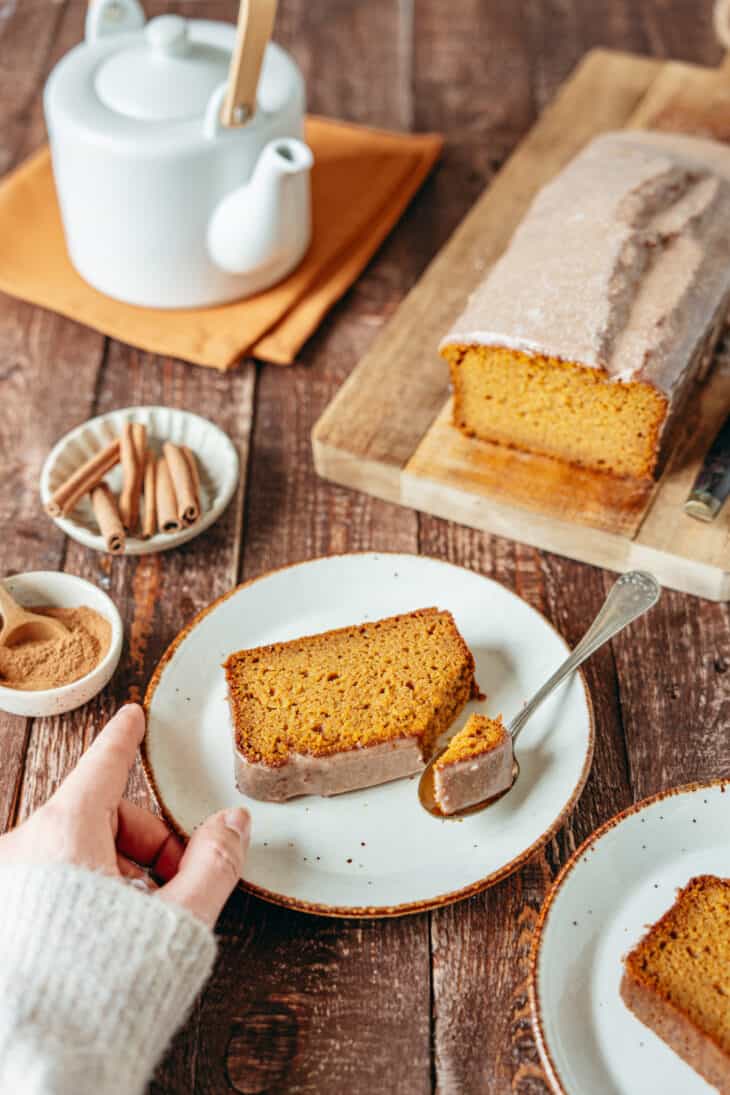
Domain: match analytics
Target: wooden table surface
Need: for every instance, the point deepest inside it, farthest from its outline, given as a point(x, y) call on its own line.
point(299, 1004)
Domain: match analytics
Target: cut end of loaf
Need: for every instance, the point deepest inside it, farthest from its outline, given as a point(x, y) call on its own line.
point(556, 408)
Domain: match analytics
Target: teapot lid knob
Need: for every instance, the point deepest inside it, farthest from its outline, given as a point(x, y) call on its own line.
point(168, 34)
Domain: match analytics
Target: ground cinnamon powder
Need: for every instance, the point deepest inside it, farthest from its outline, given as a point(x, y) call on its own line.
point(34, 666)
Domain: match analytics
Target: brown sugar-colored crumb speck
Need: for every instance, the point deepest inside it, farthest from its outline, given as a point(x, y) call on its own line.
point(677, 979)
point(404, 676)
point(479, 735)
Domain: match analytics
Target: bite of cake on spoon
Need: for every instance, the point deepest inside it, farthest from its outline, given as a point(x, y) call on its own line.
point(476, 765)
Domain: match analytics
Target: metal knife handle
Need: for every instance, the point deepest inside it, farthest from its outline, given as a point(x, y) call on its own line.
point(712, 484)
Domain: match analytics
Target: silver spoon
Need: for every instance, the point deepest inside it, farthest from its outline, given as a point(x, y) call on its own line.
point(631, 596)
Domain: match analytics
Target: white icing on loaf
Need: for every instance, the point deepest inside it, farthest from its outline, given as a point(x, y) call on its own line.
point(620, 263)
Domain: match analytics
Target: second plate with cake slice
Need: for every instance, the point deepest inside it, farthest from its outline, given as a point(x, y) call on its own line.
point(629, 981)
point(372, 851)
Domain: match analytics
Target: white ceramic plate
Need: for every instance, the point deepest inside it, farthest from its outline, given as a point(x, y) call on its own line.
point(622, 879)
point(217, 461)
point(374, 852)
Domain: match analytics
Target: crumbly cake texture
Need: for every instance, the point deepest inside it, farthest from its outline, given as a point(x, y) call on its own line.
point(404, 677)
point(479, 735)
point(584, 339)
point(677, 979)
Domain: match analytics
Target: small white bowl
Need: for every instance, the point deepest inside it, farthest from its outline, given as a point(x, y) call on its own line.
point(47, 587)
point(217, 462)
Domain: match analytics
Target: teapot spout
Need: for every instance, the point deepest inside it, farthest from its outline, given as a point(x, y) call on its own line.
point(266, 225)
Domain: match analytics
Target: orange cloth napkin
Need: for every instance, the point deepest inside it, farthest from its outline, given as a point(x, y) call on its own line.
point(362, 181)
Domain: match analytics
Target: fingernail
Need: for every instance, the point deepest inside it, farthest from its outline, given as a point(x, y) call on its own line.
point(133, 707)
point(133, 712)
point(238, 821)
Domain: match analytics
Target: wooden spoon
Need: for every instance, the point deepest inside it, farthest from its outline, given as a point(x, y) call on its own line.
point(22, 626)
point(255, 24)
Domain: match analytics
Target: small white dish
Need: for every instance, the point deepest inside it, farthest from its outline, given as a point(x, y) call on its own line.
point(374, 852)
point(623, 878)
point(217, 461)
point(48, 587)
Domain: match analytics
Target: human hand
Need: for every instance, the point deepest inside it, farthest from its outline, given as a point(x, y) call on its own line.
point(88, 823)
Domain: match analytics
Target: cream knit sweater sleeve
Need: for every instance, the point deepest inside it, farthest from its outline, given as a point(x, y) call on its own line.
point(95, 977)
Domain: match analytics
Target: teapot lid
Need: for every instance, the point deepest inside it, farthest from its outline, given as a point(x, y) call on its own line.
point(163, 75)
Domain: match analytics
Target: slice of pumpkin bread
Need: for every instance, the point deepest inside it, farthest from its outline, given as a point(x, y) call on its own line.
point(348, 708)
point(677, 979)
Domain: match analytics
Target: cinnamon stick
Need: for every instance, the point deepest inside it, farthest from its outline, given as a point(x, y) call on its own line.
point(167, 519)
point(188, 507)
point(133, 443)
point(108, 519)
point(83, 480)
point(149, 518)
point(195, 473)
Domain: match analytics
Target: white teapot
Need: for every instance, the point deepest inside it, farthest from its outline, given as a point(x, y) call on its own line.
point(181, 175)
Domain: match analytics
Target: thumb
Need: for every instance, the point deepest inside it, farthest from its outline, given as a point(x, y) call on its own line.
point(211, 865)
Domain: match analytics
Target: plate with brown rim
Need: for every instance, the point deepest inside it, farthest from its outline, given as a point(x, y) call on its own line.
point(373, 852)
point(623, 878)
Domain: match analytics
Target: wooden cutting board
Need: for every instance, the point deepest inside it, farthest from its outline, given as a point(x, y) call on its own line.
point(387, 432)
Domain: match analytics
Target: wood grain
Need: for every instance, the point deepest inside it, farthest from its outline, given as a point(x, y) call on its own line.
point(35, 348)
point(298, 1004)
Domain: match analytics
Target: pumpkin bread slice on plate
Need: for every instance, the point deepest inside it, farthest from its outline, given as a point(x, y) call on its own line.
point(348, 708)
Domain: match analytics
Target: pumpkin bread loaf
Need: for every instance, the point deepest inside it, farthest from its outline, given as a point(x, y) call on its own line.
point(348, 708)
point(677, 979)
point(584, 340)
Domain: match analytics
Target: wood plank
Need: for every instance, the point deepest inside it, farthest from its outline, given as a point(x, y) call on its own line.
point(675, 696)
point(320, 1005)
point(35, 347)
point(482, 1035)
point(481, 948)
point(687, 99)
point(28, 35)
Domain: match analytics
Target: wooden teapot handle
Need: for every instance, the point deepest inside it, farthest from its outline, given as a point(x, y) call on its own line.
point(255, 24)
